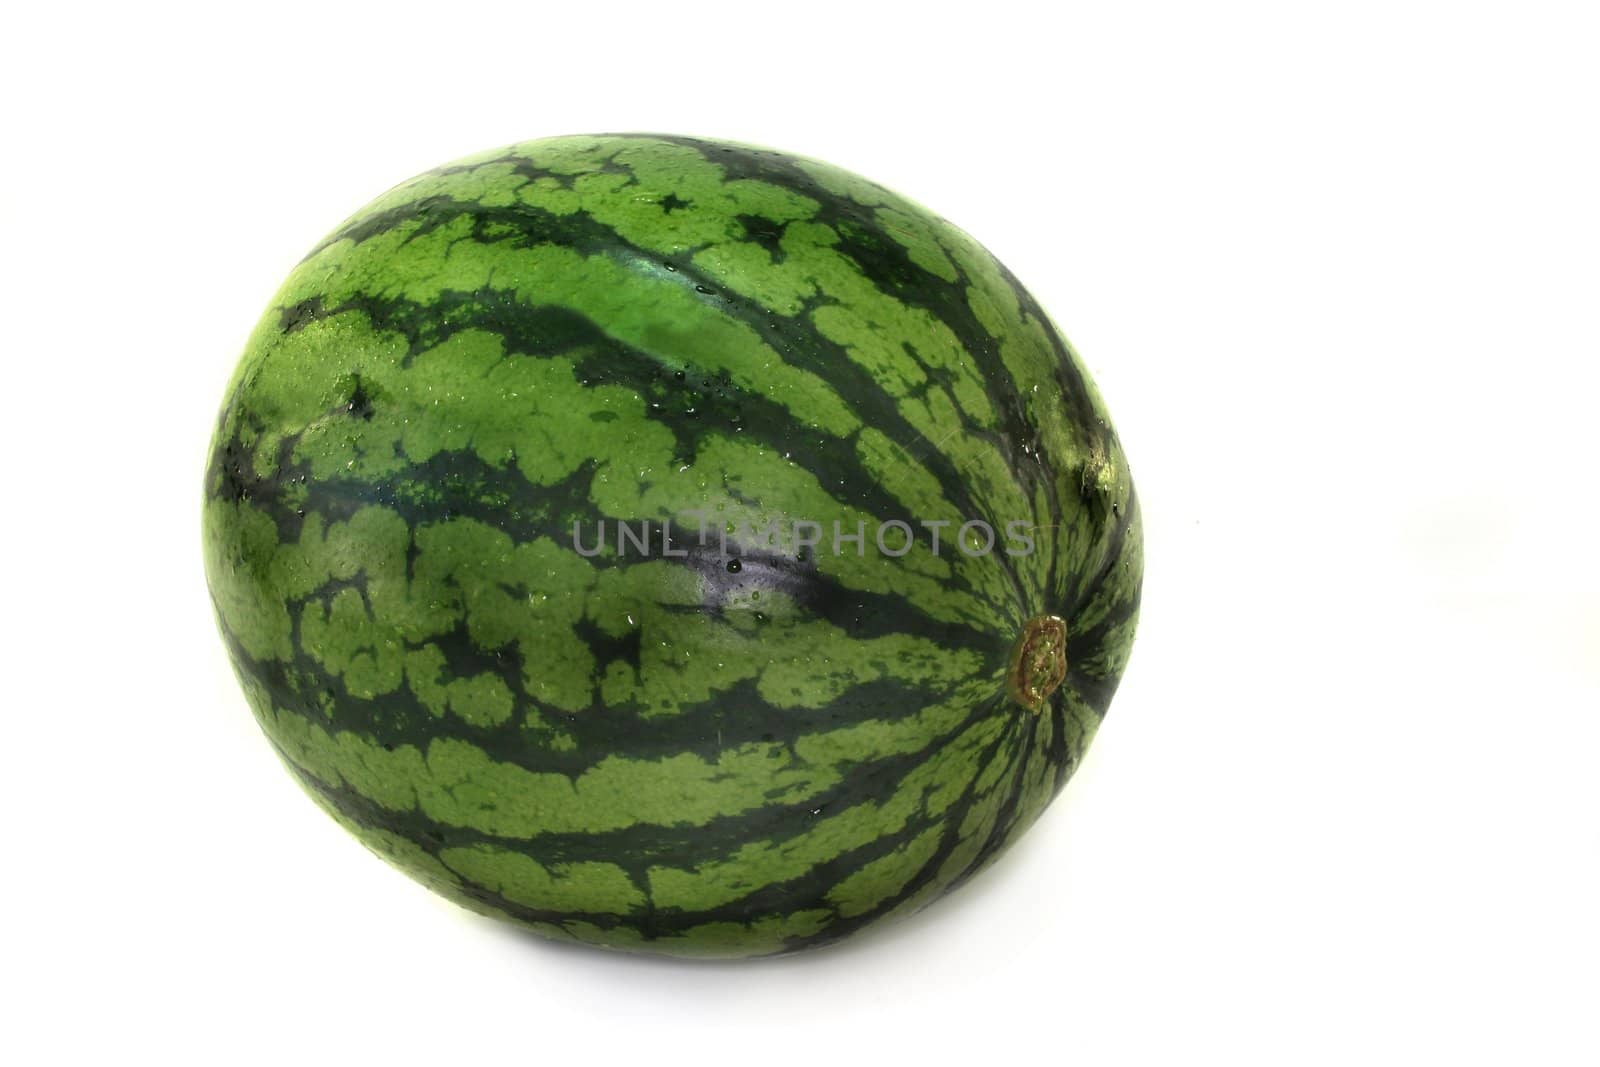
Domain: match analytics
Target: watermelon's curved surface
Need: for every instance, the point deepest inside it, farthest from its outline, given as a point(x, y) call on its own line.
point(713, 753)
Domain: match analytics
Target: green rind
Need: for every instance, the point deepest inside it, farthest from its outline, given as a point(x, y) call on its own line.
point(662, 754)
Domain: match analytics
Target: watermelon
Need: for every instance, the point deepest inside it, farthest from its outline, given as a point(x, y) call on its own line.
point(670, 545)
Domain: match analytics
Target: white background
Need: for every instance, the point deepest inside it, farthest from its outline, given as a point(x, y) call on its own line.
point(1335, 268)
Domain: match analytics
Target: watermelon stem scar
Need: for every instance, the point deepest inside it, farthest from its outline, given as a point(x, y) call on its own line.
point(1039, 663)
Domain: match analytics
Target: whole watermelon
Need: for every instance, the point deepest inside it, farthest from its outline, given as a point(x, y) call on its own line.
point(670, 545)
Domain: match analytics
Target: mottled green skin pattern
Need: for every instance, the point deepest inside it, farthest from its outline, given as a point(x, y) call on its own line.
point(664, 754)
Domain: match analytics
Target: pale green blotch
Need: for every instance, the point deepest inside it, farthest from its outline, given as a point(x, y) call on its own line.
point(881, 738)
point(630, 303)
point(746, 939)
point(292, 394)
point(784, 285)
point(895, 341)
point(789, 493)
point(706, 203)
point(872, 347)
point(481, 699)
point(458, 784)
point(529, 595)
point(566, 155)
point(350, 644)
point(913, 231)
point(240, 543)
point(594, 888)
point(743, 267)
point(797, 662)
point(904, 477)
point(928, 789)
point(881, 879)
point(843, 183)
